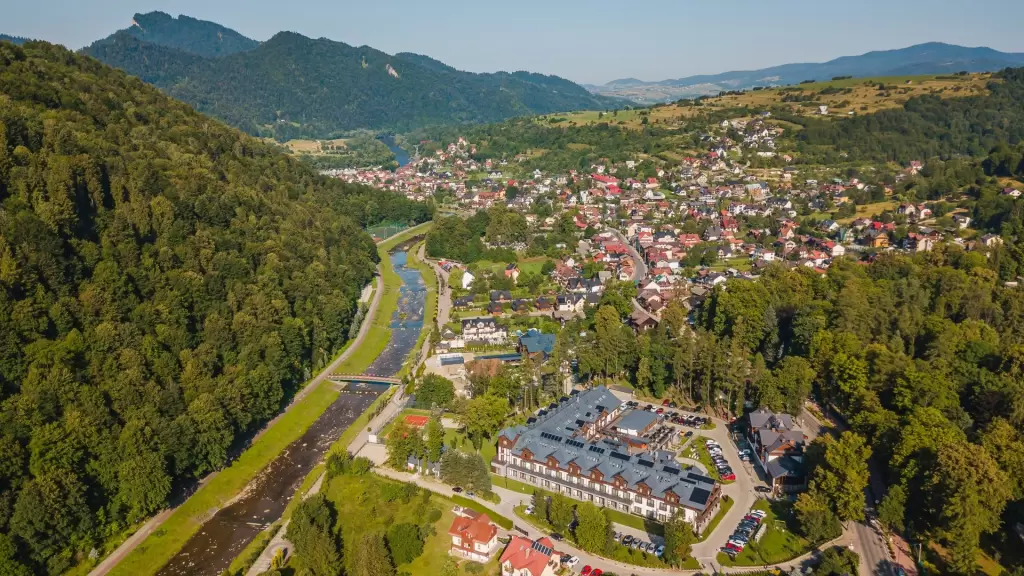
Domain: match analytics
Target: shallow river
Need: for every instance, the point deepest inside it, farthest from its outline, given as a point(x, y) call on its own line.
point(211, 550)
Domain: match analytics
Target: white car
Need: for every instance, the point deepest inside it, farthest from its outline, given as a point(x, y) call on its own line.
point(572, 561)
point(758, 513)
point(529, 510)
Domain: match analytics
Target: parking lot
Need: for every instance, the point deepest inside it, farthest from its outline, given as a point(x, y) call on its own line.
point(749, 527)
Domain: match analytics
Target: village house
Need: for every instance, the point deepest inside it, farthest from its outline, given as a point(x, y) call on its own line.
point(778, 445)
point(525, 557)
point(484, 331)
point(474, 536)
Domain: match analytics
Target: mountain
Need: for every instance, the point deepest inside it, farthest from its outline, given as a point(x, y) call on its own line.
point(166, 284)
point(292, 86)
point(13, 39)
point(199, 37)
point(930, 58)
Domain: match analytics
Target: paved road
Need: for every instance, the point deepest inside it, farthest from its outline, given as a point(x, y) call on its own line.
point(149, 527)
point(639, 267)
point(444, 297)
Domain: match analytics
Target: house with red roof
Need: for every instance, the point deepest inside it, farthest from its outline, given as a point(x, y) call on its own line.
point(525, 557)
point(474, 536)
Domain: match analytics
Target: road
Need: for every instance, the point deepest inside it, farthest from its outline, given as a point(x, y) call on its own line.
point(639, 267)
point(154, 523)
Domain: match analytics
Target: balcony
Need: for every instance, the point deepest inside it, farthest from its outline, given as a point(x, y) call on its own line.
point(624, 501)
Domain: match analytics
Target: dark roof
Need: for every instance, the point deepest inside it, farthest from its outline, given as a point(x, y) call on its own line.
point(538, 343)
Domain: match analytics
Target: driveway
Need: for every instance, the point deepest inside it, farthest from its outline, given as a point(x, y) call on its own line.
point(639, 267)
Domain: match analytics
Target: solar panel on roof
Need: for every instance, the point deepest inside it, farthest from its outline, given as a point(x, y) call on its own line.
point(597, 450)
point(600, 408)
point(550, 436)
point(671, 470)
point(646, 463)
point(574, 443)
point(700, 496)
point(541, 548)
point(619, 455)
point(699, 478)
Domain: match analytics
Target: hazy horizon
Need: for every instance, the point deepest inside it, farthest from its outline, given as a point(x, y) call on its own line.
point(591, 42)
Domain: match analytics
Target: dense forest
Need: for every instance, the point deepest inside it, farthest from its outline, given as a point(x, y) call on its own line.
point(926, 126)
point(921, 357)
point(296, 87)
point(166, 283)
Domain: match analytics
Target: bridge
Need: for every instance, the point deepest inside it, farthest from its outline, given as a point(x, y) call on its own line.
point(364, 378)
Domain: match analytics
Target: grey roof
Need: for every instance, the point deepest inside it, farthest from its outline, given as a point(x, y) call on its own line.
point(768, 420)
point(553, 435)
point(636, 420)
point(784, 466)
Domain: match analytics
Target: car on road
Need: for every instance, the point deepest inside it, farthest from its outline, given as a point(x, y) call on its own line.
point(730, 477)
point(597, 572)
point(762, 489)
point(556, 537)
point(570, 560)
point(470, 494)
point(587, 570)
point(457, 490)
point(689, 434)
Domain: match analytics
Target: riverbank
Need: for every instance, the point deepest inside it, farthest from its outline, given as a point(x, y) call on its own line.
point(165, 539)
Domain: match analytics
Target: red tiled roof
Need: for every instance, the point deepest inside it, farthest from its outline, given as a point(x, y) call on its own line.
point(477, 529)
point(521, 554)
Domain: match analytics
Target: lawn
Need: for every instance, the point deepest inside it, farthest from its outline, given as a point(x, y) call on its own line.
point(698, 451)
point(363, 507)
point(870, 211)
point(456, 438)
point(723, 509)
point(778, 544)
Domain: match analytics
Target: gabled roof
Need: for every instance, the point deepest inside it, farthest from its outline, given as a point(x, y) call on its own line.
point(525, 554)
point(473, 527)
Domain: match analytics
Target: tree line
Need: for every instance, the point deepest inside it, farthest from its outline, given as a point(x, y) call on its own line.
point(167, 284)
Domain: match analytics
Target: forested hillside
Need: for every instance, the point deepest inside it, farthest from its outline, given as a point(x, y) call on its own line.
point(199, 37)
point(924, 127)
point(13, 39)
point(294, 87)
point(166, 283)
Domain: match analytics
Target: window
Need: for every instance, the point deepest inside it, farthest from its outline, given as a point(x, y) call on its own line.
point(638, 498)
point(650, 503)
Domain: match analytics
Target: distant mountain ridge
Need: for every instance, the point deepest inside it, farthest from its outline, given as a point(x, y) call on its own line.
point(199, 37)
point(929, 58)
point(292, 86)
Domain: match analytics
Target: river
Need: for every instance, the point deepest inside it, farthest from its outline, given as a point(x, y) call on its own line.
point(210, 551)
point(401, 156)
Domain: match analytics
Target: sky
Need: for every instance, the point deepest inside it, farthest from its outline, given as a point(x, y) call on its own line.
point(587, 41)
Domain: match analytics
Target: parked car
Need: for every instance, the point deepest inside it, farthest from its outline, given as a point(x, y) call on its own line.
point(627, 539)
point(730, 477)
point(529, 510)
point(556, 536)
point(587, 570)
point(659, 551)
point(596, 572)
point(457, 489)
point(570, 560)
point(616, 536)
point(762, 489)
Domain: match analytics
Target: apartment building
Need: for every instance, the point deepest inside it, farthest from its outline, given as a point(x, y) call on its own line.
point(567, 450)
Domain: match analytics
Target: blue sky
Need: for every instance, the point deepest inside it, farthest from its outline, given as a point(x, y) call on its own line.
point(590, 41)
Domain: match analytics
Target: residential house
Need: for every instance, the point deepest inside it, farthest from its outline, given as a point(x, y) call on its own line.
point(778, 444)
point(512, 271)
point(525, 557)
point(483, 331)
point(501, 296)
point(474, 536)
point(536, 344)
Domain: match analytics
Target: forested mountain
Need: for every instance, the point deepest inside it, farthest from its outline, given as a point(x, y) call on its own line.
point(292, 86)
point(166, 283)
point(199, 37)
point(928, 58)
point(13, 39)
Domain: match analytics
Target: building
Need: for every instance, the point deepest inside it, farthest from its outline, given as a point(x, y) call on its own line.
point(483, 331)
point(474, 536)
point(536, 344)
point(574, 450)
point(778, 445)
point(524, 557)
point(636, 422)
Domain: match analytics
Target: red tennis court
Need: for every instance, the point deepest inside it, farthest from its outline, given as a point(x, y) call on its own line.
point(416, 420)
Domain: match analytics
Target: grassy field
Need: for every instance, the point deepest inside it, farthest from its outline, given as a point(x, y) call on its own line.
point(778, 544)
point(362, 508)
point(453, 437)
point(870, 211)
point(164, 542)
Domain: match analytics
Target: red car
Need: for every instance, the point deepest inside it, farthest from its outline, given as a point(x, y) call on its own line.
point(587, 571)
point(596, 572)
point(660, 411)
point(731, 476)
point(665, 402)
